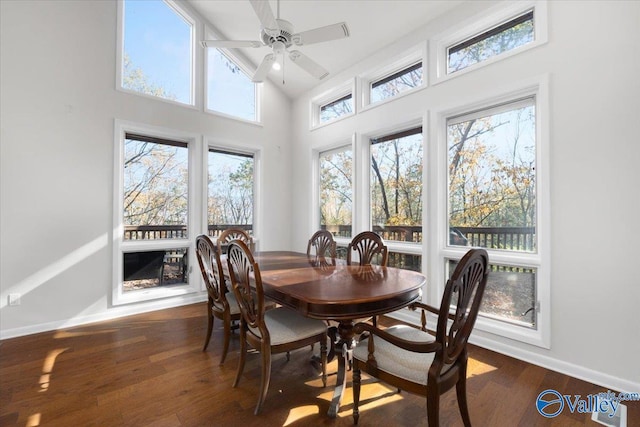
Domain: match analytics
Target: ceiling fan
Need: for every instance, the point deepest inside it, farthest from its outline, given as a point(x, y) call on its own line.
point(279, 35)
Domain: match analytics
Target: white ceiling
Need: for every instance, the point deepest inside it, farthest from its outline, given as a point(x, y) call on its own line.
point(372, 24)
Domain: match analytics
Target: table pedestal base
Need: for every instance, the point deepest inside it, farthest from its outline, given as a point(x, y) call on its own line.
point(345, 345)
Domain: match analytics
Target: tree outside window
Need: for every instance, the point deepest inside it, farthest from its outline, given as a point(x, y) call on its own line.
point(336, 198)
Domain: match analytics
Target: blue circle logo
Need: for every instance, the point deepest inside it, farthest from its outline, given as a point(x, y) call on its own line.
point(549, 403)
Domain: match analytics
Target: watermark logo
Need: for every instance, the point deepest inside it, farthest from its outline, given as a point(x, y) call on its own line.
point(549, 403)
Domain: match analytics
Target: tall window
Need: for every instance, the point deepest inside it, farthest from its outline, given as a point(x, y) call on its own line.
point(157, 57)
point(152, 248)
point(396, 185)
point(396, 194)
point(502, 38)
point(230, 191)
point(492, 195)
point(229, 89)
point(336, 191)
point(396, 83)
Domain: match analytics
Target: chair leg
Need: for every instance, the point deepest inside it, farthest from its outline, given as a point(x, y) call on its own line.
point(461, 392)
point(209, 326)
point(433, 406)
point(227, 338)
point(323, 357)
point(266, 376)
point(243, 355)
point(356, 394)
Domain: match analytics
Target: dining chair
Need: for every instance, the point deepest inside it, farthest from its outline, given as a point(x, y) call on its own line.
point(232, 234)
point(278, 330)
point(370, 248)
point(220, 303)
point(413, 360)
point(322, 247)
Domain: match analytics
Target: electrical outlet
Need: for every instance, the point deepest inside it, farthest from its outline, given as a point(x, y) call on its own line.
point(14, 299)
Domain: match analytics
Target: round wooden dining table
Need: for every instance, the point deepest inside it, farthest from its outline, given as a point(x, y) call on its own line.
point(321, 290)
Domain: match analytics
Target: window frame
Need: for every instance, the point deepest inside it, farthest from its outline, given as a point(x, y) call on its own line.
point(121, 246)
point(406, 61)
point(409, 248)
point(246, 67)
point(256, 153)
point(477, 25)
point(335, 94)
point(188, 16)
point(537, 87)
point(317, 153)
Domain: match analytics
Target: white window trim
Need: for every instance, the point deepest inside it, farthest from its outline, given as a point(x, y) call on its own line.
point(329, 96)
point(339, 145)
point(246, 68)
point(479, 24)
point(406, 60)
point(120, 246)
point(196, 57)
point(541, 260)
point(256, 152)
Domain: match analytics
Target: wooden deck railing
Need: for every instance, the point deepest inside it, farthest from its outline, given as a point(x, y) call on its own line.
point(152, 232)
point(512, 238)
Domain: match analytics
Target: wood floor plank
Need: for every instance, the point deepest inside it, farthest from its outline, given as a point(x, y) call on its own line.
point(150, 370)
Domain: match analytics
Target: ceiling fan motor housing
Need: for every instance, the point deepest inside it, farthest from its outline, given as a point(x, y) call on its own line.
point(284, 35)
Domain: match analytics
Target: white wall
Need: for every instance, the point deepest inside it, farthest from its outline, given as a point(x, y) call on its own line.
point(58, 109)
point(593, 62)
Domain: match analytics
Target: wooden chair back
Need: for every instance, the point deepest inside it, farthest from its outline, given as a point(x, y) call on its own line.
point(211, 269)
point(464, 291)
point(324, 247)
point(234, 234)
point(370, 247)
point(247, 287)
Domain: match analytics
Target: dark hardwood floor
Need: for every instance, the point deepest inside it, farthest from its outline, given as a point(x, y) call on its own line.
point(149, 370)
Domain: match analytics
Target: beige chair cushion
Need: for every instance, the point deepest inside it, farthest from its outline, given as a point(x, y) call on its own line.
point(395, 360)
point(233, 304)
point(286, 325)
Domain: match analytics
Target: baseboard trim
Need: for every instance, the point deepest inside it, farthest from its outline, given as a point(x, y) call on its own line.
point(484, 340)
point(111, 313)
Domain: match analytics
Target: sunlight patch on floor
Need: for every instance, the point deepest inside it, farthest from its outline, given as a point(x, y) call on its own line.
point(33, 420)
point(47, 368)
point(476, 367)
point(299, 413)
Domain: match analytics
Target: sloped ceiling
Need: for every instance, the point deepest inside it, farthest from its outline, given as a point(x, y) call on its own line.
point(372, 24)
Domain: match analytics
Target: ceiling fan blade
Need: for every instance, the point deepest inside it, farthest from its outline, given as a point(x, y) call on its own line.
point(265, 15)
point(263, 68)
point(308, 64)
point(230, 43)
point(322, 34)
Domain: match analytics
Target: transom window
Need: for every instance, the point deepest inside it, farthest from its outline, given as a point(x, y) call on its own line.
point(229, 88)
point(157, 56)
point(336, 108)
point(502, 38)
point(396, 83)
